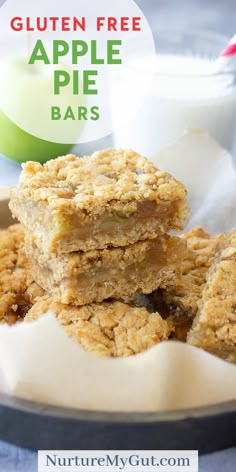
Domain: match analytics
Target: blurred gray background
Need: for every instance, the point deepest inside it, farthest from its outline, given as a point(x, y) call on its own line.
point(214, 15)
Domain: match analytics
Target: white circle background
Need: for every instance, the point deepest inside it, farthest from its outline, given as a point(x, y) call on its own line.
point(26, 91)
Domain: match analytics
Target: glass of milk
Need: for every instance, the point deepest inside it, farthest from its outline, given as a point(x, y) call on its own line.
point(164, 95)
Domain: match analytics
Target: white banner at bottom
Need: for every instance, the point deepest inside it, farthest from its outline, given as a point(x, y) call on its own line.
point(115, 461)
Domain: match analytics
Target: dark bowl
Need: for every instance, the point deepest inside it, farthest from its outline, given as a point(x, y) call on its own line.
point(39, 426)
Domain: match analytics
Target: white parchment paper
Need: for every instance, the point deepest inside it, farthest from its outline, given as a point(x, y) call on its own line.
point(38, 361)
point(208, 173)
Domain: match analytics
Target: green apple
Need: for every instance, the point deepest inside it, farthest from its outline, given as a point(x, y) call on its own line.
point(20, 146)
point(27, 131)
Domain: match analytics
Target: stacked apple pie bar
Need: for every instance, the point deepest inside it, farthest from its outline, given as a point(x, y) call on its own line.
point(96, 228)
point(96, 231)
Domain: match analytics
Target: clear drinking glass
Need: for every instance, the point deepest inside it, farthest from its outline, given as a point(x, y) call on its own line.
point(181, 93)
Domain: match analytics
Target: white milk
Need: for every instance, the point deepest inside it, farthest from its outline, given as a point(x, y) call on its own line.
point(181, 94)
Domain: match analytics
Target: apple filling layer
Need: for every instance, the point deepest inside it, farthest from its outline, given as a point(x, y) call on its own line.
point(64, 233)
point(116, 229)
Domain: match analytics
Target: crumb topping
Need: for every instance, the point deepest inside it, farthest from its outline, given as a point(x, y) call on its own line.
point(110, 328)
point(91, 184)
point(215, 324)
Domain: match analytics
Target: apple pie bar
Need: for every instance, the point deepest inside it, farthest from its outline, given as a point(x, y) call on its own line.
point(81, 278)
point(108, 329)
point(214, 327)
point(18, 291)
point(112, 198)
point(180, 303)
